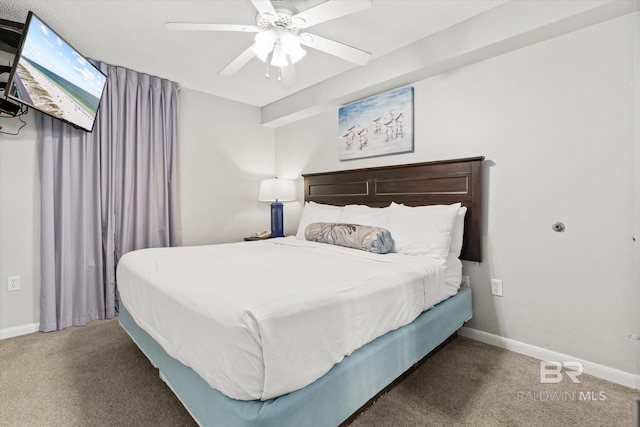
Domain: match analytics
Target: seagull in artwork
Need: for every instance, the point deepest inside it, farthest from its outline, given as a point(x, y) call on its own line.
point(377, 122)
point(349, 139)
point(363, 138)
point(398, 121)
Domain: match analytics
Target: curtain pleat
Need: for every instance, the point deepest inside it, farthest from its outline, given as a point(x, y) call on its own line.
point(106, 193)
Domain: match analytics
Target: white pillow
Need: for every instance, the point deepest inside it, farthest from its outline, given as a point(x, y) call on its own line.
point(317, 212)
point(364, 215)
point(453, 271)
point(422, 230)
point(458, 233)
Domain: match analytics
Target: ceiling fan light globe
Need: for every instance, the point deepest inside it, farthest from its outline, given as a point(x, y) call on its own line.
point(296, 54)
point(261, 53)
point(289, 41)
point(263, 45)
point(279, 58)
point(266, 39)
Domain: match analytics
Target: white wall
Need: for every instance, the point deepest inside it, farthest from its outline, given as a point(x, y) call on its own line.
point(555, 121)
point(224, 153)
point(20, 224)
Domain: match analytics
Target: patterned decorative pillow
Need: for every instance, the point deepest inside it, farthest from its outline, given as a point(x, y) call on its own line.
point(363, 237)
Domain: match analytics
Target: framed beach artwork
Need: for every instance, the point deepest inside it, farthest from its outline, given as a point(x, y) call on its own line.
point(377, 126)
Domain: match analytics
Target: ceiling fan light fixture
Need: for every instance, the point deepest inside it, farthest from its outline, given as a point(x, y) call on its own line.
point(263, 45)
point(261, 52)
point(296, 54)
point(288, 40)
point(279, 58)
point(291, 46)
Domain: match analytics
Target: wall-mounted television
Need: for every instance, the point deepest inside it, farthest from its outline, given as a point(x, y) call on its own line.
point(52, 77)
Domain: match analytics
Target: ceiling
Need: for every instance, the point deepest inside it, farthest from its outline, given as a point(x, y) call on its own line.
point(132, 34)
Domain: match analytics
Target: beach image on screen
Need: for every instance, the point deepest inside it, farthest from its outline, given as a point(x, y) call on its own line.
point(52, 77)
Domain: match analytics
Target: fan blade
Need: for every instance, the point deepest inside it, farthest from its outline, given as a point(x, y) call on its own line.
point(288, 74)
point(329, 10)
point(265, 8)
point(195, 26)
point(331, 47)
point(237, 63)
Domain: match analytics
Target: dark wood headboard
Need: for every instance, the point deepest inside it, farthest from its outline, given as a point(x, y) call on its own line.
point(417, 184)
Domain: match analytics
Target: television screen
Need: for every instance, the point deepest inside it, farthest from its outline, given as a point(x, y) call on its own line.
point(51, 76)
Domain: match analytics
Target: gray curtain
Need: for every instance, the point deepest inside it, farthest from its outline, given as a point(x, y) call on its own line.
point(106, 193)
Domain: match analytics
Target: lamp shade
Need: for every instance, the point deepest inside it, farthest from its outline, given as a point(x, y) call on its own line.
point(282, 190)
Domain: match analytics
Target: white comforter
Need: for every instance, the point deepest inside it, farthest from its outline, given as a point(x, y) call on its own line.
point(260, 319)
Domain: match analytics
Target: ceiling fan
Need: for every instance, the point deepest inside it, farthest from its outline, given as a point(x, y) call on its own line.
point(278, 40)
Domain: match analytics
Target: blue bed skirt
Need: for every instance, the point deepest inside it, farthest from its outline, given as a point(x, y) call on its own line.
point(328, 401)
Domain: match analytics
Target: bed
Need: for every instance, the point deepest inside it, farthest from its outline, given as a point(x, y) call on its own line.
point(290, 390)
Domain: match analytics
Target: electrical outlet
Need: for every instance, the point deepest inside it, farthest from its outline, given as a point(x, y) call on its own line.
point(496, 287)
point(465, 281)
point(13, 283)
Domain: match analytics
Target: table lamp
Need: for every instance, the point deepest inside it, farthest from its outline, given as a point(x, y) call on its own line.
point(277, 190)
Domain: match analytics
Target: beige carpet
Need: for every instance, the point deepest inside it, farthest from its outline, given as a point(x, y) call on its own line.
point(96, 376)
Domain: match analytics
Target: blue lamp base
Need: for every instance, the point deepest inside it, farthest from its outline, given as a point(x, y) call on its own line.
point(277, 223)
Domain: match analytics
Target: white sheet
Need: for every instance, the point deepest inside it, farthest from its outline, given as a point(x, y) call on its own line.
point(260, 319)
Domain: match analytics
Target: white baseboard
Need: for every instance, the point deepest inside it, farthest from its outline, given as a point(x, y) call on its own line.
point(16, 331)
point(617, 376)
